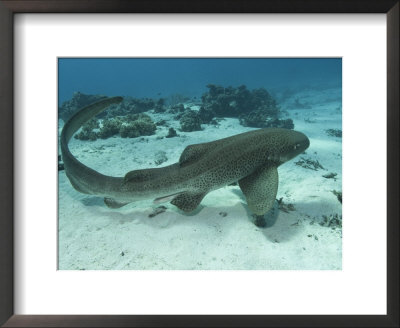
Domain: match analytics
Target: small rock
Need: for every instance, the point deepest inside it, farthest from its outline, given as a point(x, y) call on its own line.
point(160, 157)
point(171, 133)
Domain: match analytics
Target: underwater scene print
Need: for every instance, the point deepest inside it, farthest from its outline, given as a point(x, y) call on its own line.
point(200, 164)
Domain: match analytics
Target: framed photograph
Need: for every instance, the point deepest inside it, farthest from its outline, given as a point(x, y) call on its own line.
point(184, 163)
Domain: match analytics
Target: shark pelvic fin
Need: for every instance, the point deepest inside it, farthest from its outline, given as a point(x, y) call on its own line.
point(188, 201)
point(112, 203)
point(165, 198)
point(260, 189)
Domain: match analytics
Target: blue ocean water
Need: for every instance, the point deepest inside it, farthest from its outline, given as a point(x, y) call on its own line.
point(160, 77)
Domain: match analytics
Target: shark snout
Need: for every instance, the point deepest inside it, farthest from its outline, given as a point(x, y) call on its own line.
point(303, 142)
point(300, 139)
point(299, 142)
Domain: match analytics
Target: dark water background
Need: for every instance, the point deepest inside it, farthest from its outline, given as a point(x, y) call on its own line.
point(157, 77)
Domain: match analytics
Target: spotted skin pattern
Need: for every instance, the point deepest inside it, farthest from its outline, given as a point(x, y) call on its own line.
point(250, 158)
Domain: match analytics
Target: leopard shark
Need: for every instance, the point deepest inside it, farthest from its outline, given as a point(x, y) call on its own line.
point(250, 159)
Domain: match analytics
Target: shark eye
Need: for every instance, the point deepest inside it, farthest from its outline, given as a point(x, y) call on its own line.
point(296, 146)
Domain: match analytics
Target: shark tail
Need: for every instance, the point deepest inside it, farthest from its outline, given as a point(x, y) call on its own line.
point(83, 178)
point(84, 115)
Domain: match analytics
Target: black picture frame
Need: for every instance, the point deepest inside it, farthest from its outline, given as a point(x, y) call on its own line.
point(10, 7)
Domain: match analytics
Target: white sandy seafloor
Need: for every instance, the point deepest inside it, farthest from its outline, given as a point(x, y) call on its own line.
point(220, 234)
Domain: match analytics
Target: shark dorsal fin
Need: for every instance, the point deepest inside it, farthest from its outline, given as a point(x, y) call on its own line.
point(194, 152)
point(141, 175)
point(149, 174)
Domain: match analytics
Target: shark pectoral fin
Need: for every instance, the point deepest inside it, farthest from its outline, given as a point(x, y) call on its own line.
point(112, 203)
point(260, 189)
point(188, 201)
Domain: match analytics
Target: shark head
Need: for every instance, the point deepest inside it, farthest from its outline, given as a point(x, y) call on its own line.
point(288, 144)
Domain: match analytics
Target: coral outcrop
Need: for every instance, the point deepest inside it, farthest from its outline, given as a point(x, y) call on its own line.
point(190, 121)
point(137, 125)
point(160, 106)
point(128, 106)
point(129, 126)
point(78, 100)
point(109, 128)
point(255, 108)
point(87, 132)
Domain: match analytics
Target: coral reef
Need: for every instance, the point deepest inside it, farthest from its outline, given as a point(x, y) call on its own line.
point(178, 108)
point(87, 132)
point(160, 106)
point(129, 131)
point(142, 105)
point(232, 102)
point(278, 123)
point(264, 119)
point(109, 128)
point(78, 100)
point(254, 108)
point(133, 106)
point(162, 123)
point(176, 98)
point(136, 125)
point(129, 126)
point(206, 115)
point(129, 105)
point(255, 119)
point(190, 121)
